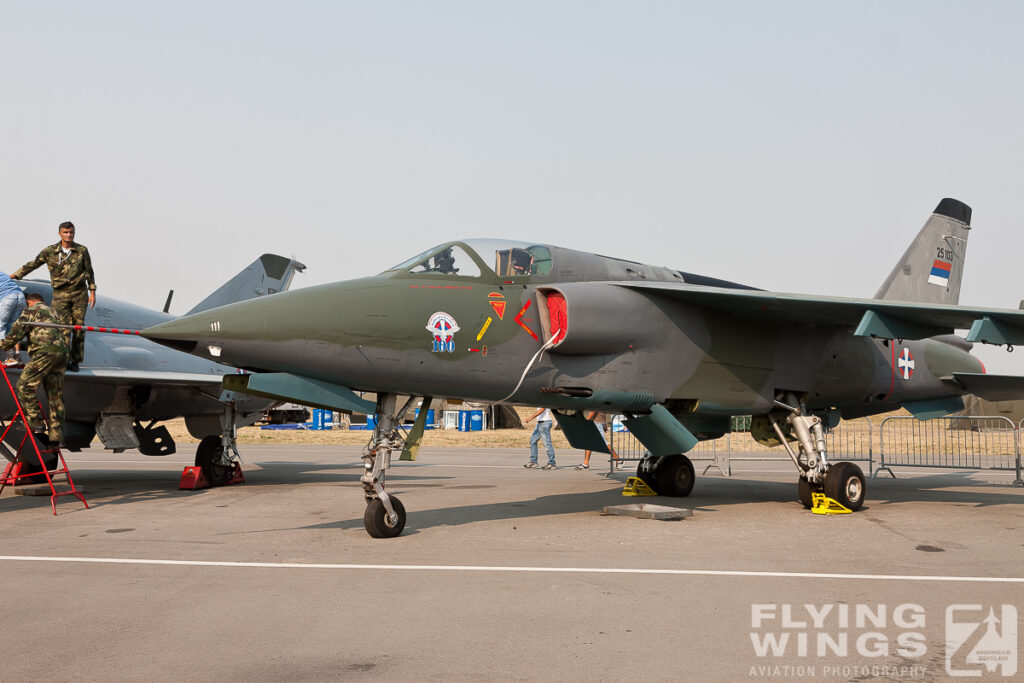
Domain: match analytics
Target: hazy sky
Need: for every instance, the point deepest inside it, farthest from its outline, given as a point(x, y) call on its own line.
point(796, 146)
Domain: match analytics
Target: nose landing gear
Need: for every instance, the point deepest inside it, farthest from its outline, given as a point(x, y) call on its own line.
point(385, 515)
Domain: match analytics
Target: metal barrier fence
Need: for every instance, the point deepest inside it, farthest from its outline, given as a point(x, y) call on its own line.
point(851, 440)
point(969, 442)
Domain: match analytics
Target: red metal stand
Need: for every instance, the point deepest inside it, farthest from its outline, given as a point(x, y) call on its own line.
point(22, 468)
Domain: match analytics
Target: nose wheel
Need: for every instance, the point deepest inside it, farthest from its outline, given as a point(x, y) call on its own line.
point(381, 524)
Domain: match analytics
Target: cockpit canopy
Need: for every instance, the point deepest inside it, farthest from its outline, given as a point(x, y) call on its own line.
point(504, 258)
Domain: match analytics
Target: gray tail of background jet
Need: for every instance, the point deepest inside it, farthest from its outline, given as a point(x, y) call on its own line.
point(932, 267)
point(268, 274)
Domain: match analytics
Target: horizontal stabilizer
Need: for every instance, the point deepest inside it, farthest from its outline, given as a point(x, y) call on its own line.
point(581, 432)
point(992, 387)
point(303, 390)
point(927, 410)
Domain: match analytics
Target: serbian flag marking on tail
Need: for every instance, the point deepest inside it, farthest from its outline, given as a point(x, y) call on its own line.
point(940, 273)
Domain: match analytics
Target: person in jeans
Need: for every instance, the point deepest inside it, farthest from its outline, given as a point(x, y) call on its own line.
point(541, 431)
point(12, 303)
point(599, 419)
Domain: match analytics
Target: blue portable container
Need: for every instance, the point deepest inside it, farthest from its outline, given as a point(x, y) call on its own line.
point(463, 420)
point(322, 419)
point(476, 420)
point(430, 418)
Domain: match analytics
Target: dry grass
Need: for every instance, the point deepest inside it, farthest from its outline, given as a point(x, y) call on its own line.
point(491, 438)
point(497, 438)
point(852, 438)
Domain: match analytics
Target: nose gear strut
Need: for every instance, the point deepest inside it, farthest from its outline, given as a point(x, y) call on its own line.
point(385, 514)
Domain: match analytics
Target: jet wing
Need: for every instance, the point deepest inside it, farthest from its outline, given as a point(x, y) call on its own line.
point(871, 317)
point(149, 376)
point(992, 387)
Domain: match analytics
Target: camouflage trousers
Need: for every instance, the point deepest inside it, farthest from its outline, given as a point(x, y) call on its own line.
point(46, 369)
point(71, 310)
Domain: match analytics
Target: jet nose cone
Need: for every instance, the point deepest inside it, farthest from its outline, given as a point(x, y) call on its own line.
point(182, 334)
point(243, 334)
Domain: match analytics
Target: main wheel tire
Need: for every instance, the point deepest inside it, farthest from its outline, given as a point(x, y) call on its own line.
point(845, 484)
point(675, 476)
point(646, 471)
point(804, 490)
point(376, 521)
point(208, 458)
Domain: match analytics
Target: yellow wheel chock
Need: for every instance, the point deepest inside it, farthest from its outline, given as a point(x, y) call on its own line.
point(635, 486)
point(823, 505)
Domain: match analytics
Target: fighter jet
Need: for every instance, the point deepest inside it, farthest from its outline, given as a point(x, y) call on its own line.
point(127, 384)
point(678, 354)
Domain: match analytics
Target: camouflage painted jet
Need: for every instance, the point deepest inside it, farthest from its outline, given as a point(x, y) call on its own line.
point(678, 354)
point(127, 384)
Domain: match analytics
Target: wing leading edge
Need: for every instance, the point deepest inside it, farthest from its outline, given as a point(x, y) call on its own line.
point(871, 317)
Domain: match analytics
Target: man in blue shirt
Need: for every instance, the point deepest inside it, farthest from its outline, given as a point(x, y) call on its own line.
point(12, 303)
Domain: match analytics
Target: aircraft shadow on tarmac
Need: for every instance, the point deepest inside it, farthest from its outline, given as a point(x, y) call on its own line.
point(710, 495)
point(118, 487)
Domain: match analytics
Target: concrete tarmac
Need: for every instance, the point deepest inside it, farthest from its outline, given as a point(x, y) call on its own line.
point(504, 573)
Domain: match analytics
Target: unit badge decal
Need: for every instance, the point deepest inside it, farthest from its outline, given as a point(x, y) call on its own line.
point(497, 301)
point(443, 327)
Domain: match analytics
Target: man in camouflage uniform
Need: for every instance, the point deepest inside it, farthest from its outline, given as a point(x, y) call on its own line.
point(73, 282)
point(48, 350)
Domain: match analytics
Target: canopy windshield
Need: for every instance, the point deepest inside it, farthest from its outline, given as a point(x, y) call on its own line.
point(507, 258)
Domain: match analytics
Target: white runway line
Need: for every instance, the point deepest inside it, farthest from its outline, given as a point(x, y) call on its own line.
point(483, 568)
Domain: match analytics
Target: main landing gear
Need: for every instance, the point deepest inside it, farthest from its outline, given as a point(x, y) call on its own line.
point(216, 455)
point(385, 514)
point(667, 475)
point(842, 481)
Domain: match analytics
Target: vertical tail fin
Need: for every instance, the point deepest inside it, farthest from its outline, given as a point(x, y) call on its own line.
point(933, 265)
point(268, 274)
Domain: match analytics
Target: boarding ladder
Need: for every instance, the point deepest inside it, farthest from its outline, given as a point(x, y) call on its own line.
point(23, 450)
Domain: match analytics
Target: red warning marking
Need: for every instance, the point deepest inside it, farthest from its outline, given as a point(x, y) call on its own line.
point(519, 319)
point(497, 302)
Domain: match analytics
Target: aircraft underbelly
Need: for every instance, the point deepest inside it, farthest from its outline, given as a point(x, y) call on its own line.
point(728, 388)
